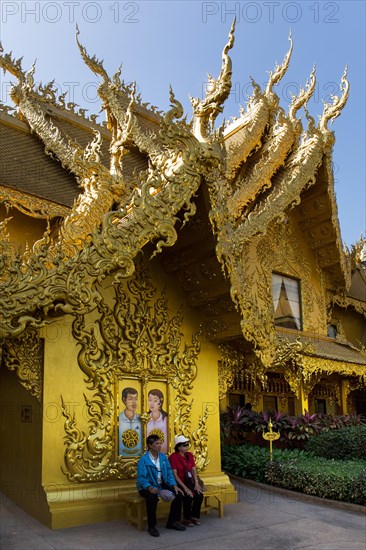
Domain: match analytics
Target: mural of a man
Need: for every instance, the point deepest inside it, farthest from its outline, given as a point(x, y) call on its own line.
point(129, 429)
point(158, 423)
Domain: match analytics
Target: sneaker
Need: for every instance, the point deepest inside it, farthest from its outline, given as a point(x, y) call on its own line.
point(187, 523)
point(154, 532)
point(176, 526)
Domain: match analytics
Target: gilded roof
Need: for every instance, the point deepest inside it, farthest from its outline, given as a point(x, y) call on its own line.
point(357, 289)
point(25, 167)
point(327, 348)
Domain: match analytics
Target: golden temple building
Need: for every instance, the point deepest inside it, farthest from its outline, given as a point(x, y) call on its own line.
point(189, 266)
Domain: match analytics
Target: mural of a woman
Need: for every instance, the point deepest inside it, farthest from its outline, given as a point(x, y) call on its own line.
point(158, 423)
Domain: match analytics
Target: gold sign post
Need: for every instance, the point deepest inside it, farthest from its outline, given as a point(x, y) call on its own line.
point(270, 436)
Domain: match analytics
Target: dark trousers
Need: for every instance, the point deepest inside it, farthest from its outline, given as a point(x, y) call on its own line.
point(192, 506)
point(152, 502)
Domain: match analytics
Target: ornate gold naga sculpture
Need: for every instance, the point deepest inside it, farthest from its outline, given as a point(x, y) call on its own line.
point(257, 191)
point(252, 182)
point(61, 275)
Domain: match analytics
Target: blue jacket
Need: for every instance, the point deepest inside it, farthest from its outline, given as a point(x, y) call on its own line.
point(147, 472)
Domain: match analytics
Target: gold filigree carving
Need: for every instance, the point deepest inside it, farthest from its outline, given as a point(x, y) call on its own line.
point(258, 173)
point(234, 366)
point(298, 172)
point(134, 337)
point(30, 205)
point(200, 442)
point(327, 390)
point(226, 377)
point(24, 355)
point(328, 366)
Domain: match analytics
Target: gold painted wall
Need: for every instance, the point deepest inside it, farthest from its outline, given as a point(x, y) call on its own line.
point(22, 229)
point(21, 446)
point(74, 503)
point(353, 325)
point(62, 376)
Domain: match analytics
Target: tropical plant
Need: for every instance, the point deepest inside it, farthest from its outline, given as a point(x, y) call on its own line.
point(295, 431)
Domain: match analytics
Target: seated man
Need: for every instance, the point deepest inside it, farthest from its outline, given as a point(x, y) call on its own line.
point(155, 475)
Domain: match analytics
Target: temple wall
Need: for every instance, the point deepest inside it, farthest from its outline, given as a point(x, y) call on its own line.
point(101, 495)
point(353, 325)
point(21, 446)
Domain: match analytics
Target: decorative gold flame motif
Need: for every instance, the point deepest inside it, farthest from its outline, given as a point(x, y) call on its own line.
point(138, 339)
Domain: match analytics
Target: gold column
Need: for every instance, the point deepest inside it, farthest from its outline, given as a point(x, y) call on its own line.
point(344, 395)
point(224, 403)
point(302, 402)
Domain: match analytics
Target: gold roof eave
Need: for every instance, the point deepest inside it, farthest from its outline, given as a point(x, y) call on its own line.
point(316, 365)
point(31, 205)
point(323, 347)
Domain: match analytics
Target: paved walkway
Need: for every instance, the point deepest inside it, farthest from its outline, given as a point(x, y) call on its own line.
point(262, 520)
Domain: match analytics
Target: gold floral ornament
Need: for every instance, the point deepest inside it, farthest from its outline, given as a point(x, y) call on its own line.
point(130, 438)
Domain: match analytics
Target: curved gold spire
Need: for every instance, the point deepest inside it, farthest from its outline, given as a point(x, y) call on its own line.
point(13, 66)
point(304, 95)
point(332, 111)
point(92, 62)
point(280, 70)
point(206, 110)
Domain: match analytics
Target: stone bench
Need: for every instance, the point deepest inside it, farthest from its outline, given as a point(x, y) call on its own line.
point(136, 507)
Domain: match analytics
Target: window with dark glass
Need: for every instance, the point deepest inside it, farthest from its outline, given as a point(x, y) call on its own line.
point(291, 406)
point(270, 403)
point(236, 399)
point(320, 406)
point(286, 301)
point(332, 331)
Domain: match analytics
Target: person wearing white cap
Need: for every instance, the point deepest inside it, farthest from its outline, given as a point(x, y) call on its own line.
point(185, 473)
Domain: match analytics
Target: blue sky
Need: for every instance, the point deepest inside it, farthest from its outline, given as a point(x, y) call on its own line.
point(177, 43)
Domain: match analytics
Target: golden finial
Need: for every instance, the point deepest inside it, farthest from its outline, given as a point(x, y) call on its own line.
point(331, 112)
point(280, 70)
point(13, 66)
point(304, 95)
point(92, 62)
point(217, 92)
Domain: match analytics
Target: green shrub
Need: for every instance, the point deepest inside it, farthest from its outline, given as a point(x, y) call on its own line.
point(343, 444)
point(300, 471)
point(250, 462)
point(342, 480)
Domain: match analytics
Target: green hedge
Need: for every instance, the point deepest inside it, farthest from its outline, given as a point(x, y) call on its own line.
point(337, 480)
point(344, 444)
point(250, 462)
point(299, 471)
